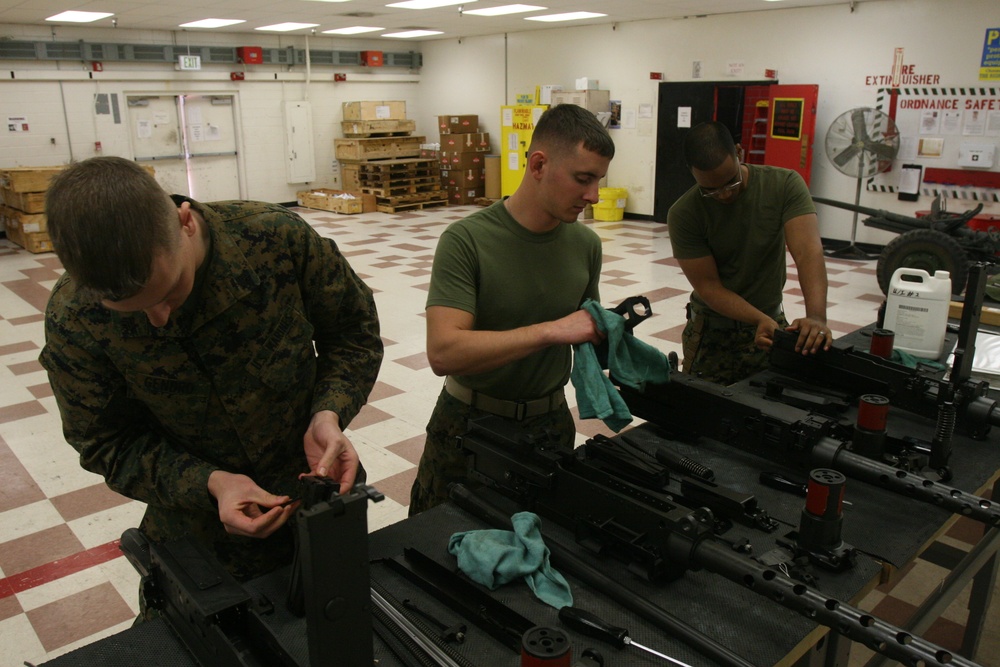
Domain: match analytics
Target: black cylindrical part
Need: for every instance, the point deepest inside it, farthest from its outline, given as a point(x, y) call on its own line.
point(822, 517)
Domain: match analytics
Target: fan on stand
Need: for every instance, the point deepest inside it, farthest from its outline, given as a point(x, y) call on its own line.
point(861, 142)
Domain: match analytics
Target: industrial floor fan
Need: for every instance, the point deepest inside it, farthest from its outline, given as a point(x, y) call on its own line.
point(861, 142)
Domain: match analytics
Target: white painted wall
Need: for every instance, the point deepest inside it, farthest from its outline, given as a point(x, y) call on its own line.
point(832, 46)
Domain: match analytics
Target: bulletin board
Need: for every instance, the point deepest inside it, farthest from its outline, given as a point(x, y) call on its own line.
point(940, 128)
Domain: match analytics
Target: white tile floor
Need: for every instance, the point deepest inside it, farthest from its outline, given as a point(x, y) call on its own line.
point(63, 582)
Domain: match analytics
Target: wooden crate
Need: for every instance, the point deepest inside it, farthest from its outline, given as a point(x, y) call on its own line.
point(27, 222)
point(336, 201)
point(29, 202)
point(379, 148)
point(381, 110)
point(27, 179)
point(370, 128)
point(31, 241)
point(350, 178)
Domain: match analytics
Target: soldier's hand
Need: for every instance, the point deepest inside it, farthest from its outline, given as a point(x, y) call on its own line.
point(246, 509)
point(765, 334)
point(329, 452)
point(576, 328)
point(813, 335)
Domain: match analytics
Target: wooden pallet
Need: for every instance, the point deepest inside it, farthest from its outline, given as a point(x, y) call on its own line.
point(388, 208)
point(403, 186)
point(378, 128)
point(398, 167)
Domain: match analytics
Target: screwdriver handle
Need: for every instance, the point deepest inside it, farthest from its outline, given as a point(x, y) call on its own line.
point(778, 481)
point(591, 625)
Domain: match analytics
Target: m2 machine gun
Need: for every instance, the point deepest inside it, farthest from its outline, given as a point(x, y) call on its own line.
point(612, 515)
point(939, 241)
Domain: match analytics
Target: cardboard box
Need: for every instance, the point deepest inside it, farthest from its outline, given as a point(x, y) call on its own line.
point(591, 100)
point(544, 93)
point(460, 196)
point(337, 201)
point(466, 142)
point(375, 110)
point(463, 178)
point(377, 148)
point(492, 177)
point(452, 160)
point(458, 124)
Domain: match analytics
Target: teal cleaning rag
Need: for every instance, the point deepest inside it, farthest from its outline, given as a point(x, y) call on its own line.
point(631, 361)
point(495, 557)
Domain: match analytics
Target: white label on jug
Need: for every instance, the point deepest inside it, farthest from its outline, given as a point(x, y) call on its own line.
point(910, 322)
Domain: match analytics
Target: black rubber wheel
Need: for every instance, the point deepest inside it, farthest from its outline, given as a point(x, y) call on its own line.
point(925, 249)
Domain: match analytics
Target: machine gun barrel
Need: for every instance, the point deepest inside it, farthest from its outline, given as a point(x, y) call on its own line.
point(877, 213)
point(787, 434)
point(617, 517)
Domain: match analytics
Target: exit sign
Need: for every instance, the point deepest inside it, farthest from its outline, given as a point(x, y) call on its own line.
point(189, 62)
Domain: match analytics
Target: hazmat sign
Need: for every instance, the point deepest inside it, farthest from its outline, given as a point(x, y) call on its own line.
point(989, 69)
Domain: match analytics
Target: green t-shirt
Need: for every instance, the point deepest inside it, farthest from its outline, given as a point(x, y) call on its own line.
point(746, 237)
point(508, 277)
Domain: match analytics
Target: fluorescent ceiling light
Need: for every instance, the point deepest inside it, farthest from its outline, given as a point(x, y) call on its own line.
point(353, 30)
point(211, 23)
point(427, 4)
point(79, 17)
point(505, 9)
point(409, 34)
point(286, 27)
point(329, 0)
point(570, 16)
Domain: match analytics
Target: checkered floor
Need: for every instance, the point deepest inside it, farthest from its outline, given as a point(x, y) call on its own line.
point(63, 581)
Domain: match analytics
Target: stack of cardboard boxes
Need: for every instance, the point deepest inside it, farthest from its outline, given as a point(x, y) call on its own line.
point(380, 157)
point(463, 158)
point(22, 205)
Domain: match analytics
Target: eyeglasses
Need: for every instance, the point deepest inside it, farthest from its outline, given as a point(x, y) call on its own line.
point(726, 189)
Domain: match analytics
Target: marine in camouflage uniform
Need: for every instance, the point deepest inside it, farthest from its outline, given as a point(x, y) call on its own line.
point(229, 383)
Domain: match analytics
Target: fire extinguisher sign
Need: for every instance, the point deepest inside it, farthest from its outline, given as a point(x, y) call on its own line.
point(989, 69)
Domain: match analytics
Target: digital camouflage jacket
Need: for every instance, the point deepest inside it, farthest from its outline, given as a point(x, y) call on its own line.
point(278, 327)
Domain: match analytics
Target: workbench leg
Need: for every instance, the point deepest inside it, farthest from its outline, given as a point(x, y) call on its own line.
point(833, 650)
point(980, 597)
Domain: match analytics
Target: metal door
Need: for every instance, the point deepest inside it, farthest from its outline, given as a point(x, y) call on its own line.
point(157, 139)
point(191, 142)
point(210, 138)
point(791, 127)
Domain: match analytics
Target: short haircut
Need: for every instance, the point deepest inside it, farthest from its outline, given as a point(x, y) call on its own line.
point(108, 218)
point(562, 127)
point(707, 145)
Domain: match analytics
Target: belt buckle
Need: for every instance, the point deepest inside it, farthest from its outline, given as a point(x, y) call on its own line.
point(520, 410)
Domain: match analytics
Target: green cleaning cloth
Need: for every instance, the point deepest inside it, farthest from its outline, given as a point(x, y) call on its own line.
point(495, 557)
point(631, 361)
point(911, 361)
